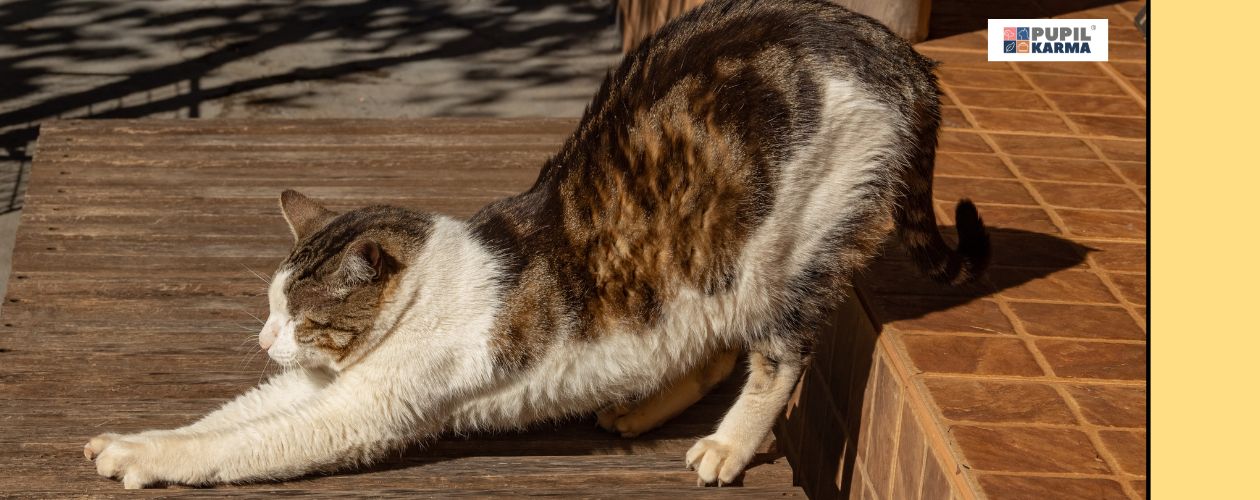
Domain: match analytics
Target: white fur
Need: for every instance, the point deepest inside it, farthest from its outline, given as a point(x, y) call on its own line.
point(428, 366)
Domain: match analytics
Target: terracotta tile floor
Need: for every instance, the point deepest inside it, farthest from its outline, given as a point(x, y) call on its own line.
point(1037, 377)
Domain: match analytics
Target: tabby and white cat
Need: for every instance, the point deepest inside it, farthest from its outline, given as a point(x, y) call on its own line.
point(719, 193)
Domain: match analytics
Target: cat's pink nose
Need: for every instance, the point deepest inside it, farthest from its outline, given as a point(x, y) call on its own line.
point(269, 332)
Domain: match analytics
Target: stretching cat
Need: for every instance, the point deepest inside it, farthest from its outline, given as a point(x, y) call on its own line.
point(721, 190)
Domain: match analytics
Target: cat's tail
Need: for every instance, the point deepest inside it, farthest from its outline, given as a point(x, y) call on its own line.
point(916, 215)
point(917, 226)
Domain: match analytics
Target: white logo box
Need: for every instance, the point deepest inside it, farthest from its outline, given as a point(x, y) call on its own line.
point(1092, 31)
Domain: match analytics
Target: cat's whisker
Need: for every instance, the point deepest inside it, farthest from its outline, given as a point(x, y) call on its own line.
point(250, 358)
point(260, 321)
point(258, 275)
point(264, 371)
point(249, 340)
point(244, 360)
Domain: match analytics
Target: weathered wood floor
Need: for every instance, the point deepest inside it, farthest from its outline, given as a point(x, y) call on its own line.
point(133, 300)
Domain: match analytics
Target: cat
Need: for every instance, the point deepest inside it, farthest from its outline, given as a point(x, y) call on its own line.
point(719, 193)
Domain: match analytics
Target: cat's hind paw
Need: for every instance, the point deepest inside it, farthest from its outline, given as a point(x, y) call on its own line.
point(627, 422)
point(718, 461)
point(607, 417)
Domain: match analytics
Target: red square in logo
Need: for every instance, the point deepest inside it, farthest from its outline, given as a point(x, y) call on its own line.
point(1022, 46)
point(1008, 33)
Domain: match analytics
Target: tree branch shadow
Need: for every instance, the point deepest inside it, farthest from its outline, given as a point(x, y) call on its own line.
point(172, 59)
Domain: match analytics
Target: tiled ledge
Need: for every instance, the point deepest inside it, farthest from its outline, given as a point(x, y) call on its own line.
point(1032, 383)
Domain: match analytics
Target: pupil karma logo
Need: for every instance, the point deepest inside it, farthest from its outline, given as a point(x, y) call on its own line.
point(1015, 40)
point(1047, 39)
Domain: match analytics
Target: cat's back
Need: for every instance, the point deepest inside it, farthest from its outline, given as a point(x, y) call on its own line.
point(726, 145)
point(781, 37)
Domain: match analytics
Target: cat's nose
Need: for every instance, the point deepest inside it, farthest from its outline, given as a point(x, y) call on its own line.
point(268, 335)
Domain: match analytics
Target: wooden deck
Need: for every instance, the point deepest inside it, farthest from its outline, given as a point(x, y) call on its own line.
point(133, 299)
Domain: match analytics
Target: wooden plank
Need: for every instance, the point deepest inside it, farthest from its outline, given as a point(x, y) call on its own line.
point(133, 299)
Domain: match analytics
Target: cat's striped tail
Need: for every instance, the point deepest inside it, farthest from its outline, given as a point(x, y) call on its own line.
point(917, 225)
point(935, 257)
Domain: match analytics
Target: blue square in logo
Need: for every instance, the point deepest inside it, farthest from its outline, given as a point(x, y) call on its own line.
point(1008, 47)
point(1021, 33)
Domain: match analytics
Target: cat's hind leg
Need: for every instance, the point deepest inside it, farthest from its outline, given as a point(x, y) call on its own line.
point(722, 456)
point(676, 397)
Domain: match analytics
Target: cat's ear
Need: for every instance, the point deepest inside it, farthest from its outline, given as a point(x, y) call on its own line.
point(363, 262)
point(303, 214)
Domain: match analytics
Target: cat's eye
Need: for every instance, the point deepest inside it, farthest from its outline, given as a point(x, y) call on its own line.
point(311, 322)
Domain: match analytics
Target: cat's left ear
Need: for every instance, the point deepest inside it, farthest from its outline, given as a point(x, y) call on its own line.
point(303, 214)
point(363, 262)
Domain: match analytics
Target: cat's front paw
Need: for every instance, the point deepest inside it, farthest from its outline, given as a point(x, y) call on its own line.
point(718, 460)
point(97, 444)
point(130, 459)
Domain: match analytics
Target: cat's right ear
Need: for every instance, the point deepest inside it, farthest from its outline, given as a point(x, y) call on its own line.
point(303, 214)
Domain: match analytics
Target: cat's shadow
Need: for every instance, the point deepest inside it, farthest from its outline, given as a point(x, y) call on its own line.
point(1018, 257)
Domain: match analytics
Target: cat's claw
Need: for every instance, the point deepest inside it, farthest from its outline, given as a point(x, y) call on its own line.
point(718, 461)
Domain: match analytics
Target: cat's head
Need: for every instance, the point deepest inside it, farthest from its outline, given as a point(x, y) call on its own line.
point(327, 295)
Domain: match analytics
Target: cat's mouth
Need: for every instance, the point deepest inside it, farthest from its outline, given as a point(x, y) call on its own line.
point(278, 339)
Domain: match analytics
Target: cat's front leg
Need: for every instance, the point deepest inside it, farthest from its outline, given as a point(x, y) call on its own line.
point(350, 422)
point(277, 393)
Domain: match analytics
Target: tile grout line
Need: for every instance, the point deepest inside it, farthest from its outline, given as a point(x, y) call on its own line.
point(1083, 425)
point(923, 441)
point(1088, 143)
point(866, 482)
point(978, 335)
point(1036, 425)
point(868, 415)
point(1032, 192)
point(1041, 157)
point(1090, 430)
point(1026, 110)
point(903, 390)
point(1039, 379)
point(1008, 89)
point(1095, 436)
point(1047, 205)
point(1067, 475)
point(1111, 71)
point(1051, 209)
point(1125, 84)
point(1043, 181)
point(1077, 135)
point(1016, 300)
point(1017, 323)
point(966, 50)
point(936, 436)
point(1054, 215)
point(1122, 10)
